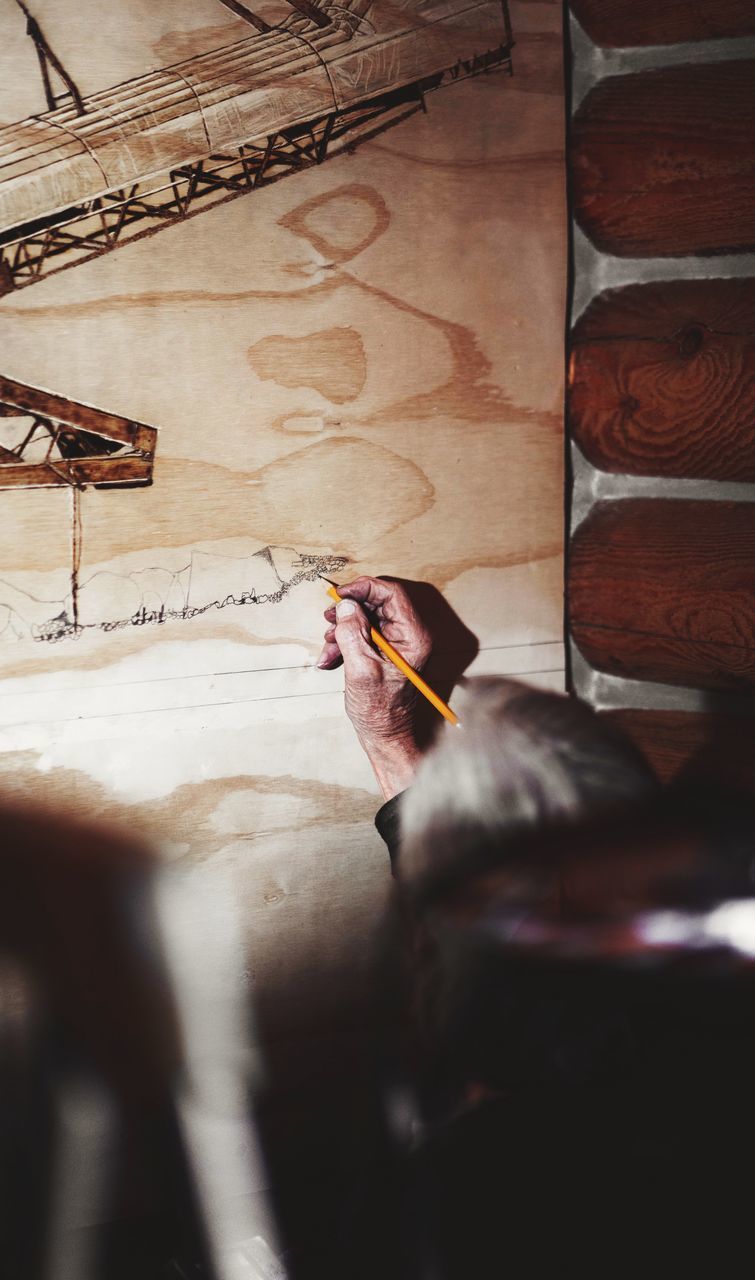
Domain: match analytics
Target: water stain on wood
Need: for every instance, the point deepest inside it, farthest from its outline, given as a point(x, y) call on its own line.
point(340, 223)
point(332, 362)
point(193, 815)
point(324, 493)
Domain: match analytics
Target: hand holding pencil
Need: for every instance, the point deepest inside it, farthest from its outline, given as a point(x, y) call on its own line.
point(384, 645)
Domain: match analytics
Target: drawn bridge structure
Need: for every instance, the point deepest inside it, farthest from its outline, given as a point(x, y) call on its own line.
point(93, 171)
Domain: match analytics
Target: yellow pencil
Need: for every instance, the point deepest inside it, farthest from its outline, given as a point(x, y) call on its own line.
point(382, 644)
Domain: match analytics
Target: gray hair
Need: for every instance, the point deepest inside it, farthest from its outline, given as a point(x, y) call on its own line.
point(523, 758)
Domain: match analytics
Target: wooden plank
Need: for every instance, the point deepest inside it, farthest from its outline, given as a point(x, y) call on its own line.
point(665, 590)
point(128, 470)
point(663, 162)
point(662, 380)
point(718, 749)
point(75, 414)
point(625, 23)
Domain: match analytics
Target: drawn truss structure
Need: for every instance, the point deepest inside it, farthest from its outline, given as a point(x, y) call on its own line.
point(145, 155)
point(49, 441)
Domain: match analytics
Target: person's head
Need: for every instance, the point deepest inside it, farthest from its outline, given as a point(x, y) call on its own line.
point(524, 758)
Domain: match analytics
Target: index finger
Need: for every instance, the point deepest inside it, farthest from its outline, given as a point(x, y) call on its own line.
point(376, 593)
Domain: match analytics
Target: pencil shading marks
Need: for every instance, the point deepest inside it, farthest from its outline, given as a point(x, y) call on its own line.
point(332, 362)
point(155, 595)
point(341, 223)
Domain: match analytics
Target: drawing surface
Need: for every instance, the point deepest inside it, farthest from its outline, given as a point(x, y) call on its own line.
point(358, 369)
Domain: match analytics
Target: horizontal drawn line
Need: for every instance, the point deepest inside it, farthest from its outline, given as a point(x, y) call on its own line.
point(204, 706)
point(239, 671)
point(150, 711)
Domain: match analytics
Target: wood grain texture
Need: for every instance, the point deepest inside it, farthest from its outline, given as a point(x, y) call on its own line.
point(663, 162)
point(329, 370)
point(662, 380)
point(625, 23)
point(717, 749)
point(665, 590)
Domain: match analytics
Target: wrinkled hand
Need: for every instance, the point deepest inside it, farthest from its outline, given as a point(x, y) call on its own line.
point(380, 702)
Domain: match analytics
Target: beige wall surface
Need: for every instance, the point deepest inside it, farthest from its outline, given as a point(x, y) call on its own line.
point(362, 364)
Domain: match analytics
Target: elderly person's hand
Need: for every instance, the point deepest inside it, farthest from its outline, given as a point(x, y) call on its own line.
point(380, 702)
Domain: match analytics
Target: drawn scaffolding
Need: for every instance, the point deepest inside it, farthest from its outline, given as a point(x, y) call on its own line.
point(339, 67)
point(50, 441)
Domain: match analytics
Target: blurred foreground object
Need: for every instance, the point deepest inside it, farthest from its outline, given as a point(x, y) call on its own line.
point(121, 1077)
point(586, 999)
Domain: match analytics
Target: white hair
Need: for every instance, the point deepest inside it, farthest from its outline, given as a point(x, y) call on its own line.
point(523, 757)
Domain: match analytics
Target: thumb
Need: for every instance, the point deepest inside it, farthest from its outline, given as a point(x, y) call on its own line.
point(353, 639)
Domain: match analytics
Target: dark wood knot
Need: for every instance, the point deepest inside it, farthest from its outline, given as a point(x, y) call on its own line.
point(690, 340)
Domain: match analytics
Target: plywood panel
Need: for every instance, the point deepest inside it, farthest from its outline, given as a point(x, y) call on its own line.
point(665, 590)
point(360, 367)
point(663, 162)
point(662, 380)
point(617, 23)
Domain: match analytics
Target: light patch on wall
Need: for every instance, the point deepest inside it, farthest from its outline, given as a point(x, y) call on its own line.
point(322, 493)
point(304, 423)
point(249, 811)
point(523, 601)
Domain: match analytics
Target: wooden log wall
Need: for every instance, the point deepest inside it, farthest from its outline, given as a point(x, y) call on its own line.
point(660, 397)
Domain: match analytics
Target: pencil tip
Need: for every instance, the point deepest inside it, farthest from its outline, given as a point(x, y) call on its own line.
point(330, 580)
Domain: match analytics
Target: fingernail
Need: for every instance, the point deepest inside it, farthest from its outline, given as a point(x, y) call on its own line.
point(322, 661)
point(345, 609)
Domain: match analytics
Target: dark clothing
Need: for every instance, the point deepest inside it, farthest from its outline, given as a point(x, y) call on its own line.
point(617, 1117)
point(387, 822)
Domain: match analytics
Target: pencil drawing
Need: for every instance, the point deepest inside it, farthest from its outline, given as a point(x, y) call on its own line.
point(94, 170)
point(155, 595)
point(47, 440)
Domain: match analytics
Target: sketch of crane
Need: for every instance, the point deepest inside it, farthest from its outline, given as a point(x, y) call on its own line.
point(49, 441)
point(96, 170)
